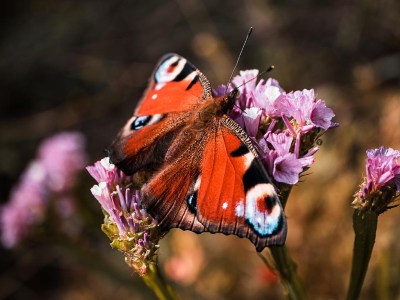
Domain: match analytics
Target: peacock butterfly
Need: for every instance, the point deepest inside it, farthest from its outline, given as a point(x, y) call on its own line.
point(206, 175)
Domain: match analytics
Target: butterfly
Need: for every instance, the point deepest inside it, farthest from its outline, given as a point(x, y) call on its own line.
point(205, 174)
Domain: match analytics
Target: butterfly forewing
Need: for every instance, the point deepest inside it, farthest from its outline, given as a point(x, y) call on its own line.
point(175, 86)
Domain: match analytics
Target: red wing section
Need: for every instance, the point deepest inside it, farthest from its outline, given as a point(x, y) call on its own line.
point(175, 86)
point(215, 183)
point(235, 195)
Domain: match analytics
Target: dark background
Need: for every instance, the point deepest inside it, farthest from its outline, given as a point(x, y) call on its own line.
point(81, 65)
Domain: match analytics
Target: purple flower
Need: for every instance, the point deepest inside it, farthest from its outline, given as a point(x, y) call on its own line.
point(63, 155)
point(261, 95)
point(26, 206)
point(130, 228)
point(104, 171)
point(382, 182)
point(297, 116)
point(303, 107)
point(281, 163)
point(50, 175)
point(382, 167)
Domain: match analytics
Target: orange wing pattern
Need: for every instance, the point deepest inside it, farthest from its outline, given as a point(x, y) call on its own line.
point(224, 188)
point(175, 86)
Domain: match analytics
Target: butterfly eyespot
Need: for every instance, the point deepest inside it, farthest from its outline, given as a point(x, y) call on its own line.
point(140, 122)
point(192, 202)
point(170, 69)
point(262, 212)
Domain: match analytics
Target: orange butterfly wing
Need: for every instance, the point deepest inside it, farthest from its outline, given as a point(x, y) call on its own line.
point(175, 87)
point(216, 183)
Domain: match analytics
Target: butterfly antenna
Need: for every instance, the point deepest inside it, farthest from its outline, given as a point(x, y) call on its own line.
point(269, 69)
point(237, 61)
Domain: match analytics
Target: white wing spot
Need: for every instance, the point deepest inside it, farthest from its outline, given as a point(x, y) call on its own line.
point(159, 86)
point(248, 159)
point(197, 183)
point(154, 96)
point(239, 209)
point(225, 205)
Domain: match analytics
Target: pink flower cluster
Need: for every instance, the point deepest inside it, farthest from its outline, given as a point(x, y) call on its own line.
point(130, 228)
point(292, 121)
point(382, 169)
point(52, 173)
point(122, 206)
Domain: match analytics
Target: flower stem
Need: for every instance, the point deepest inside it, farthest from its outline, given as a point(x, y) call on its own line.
point(364, 225)
point(157, 284)
point(287, 270)
point(284, 264)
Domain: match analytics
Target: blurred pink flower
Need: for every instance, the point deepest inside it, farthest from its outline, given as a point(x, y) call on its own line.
point(53, 172)
point(62, 155)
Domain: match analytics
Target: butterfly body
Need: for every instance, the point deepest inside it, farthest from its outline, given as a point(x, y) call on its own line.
point(205, 174)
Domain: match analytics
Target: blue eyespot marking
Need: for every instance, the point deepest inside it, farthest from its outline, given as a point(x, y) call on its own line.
point(140, 122)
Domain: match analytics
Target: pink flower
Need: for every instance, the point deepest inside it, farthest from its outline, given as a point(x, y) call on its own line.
point(282, 164)
point(63, 155)
point(382, 166)
point(130, 228)
point(51, 174)
point(262, 95)
point(382, 182)
point(264, 104)
point(303, 107)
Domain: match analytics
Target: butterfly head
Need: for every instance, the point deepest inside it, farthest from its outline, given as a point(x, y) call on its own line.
point(227, 101)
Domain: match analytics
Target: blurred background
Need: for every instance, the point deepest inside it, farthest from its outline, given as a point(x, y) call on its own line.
point(82, 65)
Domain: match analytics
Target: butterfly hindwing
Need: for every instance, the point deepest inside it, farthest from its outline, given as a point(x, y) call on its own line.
point(217, 184)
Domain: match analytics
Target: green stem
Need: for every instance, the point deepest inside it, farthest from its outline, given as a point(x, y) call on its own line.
point(284, 264)
point(287, 270)
point(157, 284)
point(364, 225)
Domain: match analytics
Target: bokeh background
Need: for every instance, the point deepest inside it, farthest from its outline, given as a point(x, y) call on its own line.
point(82, 65)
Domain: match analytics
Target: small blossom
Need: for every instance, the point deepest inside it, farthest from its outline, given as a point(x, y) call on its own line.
point(251, 120)
point(50, 175)
point(303, 107)
point(129, 227)
point(382, 182)
point(262, 95)
point(282, 164)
